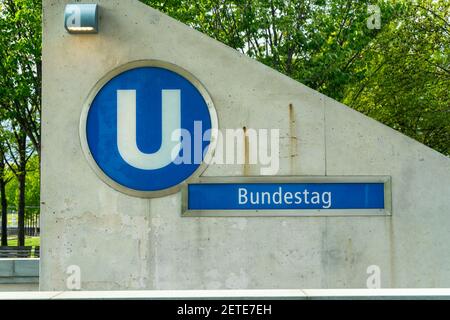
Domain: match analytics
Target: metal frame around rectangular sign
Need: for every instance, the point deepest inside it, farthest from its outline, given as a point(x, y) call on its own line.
point(386, 180)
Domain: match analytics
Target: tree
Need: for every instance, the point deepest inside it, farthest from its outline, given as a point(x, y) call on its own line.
point(408, 74)
point(4, 179)
point(21, 66)
point(20, 93)
point(313, 41)
point(19, 151)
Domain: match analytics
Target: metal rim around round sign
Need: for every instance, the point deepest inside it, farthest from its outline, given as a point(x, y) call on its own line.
point(112, 74)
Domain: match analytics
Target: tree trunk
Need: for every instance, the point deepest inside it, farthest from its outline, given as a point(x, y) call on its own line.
point(21, 177)
point(4, 203)
point(21, 208)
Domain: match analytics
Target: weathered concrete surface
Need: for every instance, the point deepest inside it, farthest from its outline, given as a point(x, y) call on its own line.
point(121, 242)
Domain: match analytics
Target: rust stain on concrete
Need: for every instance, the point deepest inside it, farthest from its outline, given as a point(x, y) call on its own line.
point(293, 139)
point(246, 153)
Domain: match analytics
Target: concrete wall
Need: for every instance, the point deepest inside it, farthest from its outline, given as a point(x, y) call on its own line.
point(19, 274)
point(121, 242)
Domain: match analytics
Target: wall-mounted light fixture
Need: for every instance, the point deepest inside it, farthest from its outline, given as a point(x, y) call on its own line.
point(81, 18)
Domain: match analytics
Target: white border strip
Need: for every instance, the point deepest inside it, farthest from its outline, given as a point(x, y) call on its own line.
point(293, 294)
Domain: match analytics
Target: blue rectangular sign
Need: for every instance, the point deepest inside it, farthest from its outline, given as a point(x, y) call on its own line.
point(285, 196)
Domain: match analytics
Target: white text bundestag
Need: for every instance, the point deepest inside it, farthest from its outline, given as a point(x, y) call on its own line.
point(281, 197)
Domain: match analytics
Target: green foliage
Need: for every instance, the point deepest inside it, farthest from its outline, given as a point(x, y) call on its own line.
point(20, 65)
point(408, 75)
point(20, 104)
point(32, 194)
point(398, 74)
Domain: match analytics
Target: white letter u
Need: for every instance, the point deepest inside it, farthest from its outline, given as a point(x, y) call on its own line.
point(126, 130)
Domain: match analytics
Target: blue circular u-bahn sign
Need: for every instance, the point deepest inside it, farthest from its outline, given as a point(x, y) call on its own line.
point(147, 128)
